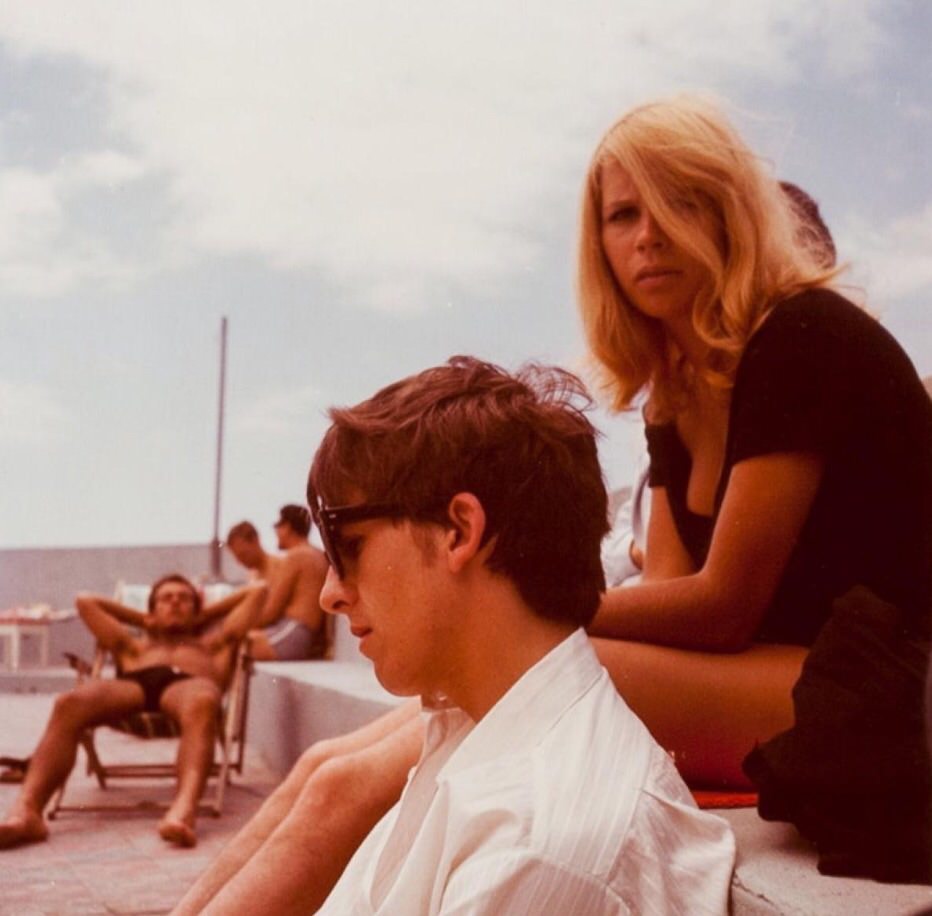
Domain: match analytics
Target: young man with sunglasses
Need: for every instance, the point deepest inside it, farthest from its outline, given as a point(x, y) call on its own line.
point(462, 511)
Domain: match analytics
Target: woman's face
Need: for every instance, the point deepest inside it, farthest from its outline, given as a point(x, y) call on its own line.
point(657, 276)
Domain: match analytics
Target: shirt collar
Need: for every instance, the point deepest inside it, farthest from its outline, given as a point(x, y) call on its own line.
point(530, 708)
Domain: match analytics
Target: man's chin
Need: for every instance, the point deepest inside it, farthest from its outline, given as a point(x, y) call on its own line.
point(394, 685)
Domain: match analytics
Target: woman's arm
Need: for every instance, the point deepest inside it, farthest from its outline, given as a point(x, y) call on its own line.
point(719, 607)
point(666, 556)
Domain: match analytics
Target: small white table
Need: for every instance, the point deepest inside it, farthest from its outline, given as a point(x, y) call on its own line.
point(12, 631)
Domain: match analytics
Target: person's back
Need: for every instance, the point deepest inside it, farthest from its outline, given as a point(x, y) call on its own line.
point(306, 566)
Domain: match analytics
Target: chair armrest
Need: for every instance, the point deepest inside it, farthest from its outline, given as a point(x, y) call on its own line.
point(82, 667)
point(85, 669)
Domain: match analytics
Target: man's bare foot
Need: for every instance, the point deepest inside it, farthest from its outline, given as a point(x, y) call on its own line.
point(22, 828)
point(174, 830)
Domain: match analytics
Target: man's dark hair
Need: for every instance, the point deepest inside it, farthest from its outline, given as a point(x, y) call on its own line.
point(520, 443)
point(246, 530)
point(174, 577)
point(297, 518)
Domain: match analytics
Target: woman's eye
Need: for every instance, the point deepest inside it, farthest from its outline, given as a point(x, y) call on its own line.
point(625, 214)
point(684, 205)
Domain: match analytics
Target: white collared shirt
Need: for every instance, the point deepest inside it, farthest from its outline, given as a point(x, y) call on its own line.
point(558, 801)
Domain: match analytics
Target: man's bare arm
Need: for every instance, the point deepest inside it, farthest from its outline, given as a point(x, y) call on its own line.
point(223, 607)
point(105, 618)
point(241, 619)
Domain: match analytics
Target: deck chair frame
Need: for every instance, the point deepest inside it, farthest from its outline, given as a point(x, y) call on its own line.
point(231, 739)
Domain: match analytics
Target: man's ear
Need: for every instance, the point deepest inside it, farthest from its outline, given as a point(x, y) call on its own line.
point(467, 527)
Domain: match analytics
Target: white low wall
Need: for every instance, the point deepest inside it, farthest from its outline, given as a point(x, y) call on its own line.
point(294, 704)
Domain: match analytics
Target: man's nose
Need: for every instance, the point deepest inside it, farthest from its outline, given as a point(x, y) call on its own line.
point(336, 596)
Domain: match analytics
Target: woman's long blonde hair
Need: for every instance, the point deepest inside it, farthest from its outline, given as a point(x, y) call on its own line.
point(684, 151)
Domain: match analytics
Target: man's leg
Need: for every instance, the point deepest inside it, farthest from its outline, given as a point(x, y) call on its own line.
point(318, 812)
point(193, 703)
point(88, 704)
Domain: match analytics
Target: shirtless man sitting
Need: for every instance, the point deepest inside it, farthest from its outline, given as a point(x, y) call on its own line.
point(172, 667)
point(292, 620)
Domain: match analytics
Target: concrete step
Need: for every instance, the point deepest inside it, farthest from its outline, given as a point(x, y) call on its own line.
point(302, 702)
point(776, 874)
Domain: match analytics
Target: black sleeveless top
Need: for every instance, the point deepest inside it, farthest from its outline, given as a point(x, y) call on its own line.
point(820, 375)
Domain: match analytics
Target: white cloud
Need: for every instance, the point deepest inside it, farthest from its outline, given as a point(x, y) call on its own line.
point(30, 414)
point(892, 260)
point(846, 33)
point(31, 211)
point(391, 147)
point(42, 253)
point(105, 168)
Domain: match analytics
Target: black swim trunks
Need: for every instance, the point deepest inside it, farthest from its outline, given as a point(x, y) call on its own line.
point(153, 681)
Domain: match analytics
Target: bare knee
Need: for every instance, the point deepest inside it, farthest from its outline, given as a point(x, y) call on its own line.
point(335, 785)
point(351, 789)
point(337, 774)
point(75, 710)
point(199, 707)
point(316, 755)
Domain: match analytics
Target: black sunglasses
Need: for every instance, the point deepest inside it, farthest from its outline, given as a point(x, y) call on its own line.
point(330, 520)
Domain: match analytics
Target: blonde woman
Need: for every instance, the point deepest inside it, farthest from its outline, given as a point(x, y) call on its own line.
point(789, 435)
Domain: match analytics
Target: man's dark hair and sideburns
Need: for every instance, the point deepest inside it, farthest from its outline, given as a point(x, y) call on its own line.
point(173, 577)
point(520, 443)
point(297, 518)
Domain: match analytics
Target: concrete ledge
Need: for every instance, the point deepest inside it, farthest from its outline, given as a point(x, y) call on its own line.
point(297, 703)
point(37, 680)
point(294, 704)
point(776, 874)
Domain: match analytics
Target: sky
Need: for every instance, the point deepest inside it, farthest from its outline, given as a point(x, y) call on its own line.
point(365, 189)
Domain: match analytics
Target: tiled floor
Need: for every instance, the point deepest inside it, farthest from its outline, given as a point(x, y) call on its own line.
point(106, 863)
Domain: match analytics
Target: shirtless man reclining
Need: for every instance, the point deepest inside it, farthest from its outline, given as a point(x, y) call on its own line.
point(172, 667)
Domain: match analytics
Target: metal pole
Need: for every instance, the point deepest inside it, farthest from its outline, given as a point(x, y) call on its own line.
point(215, 542)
